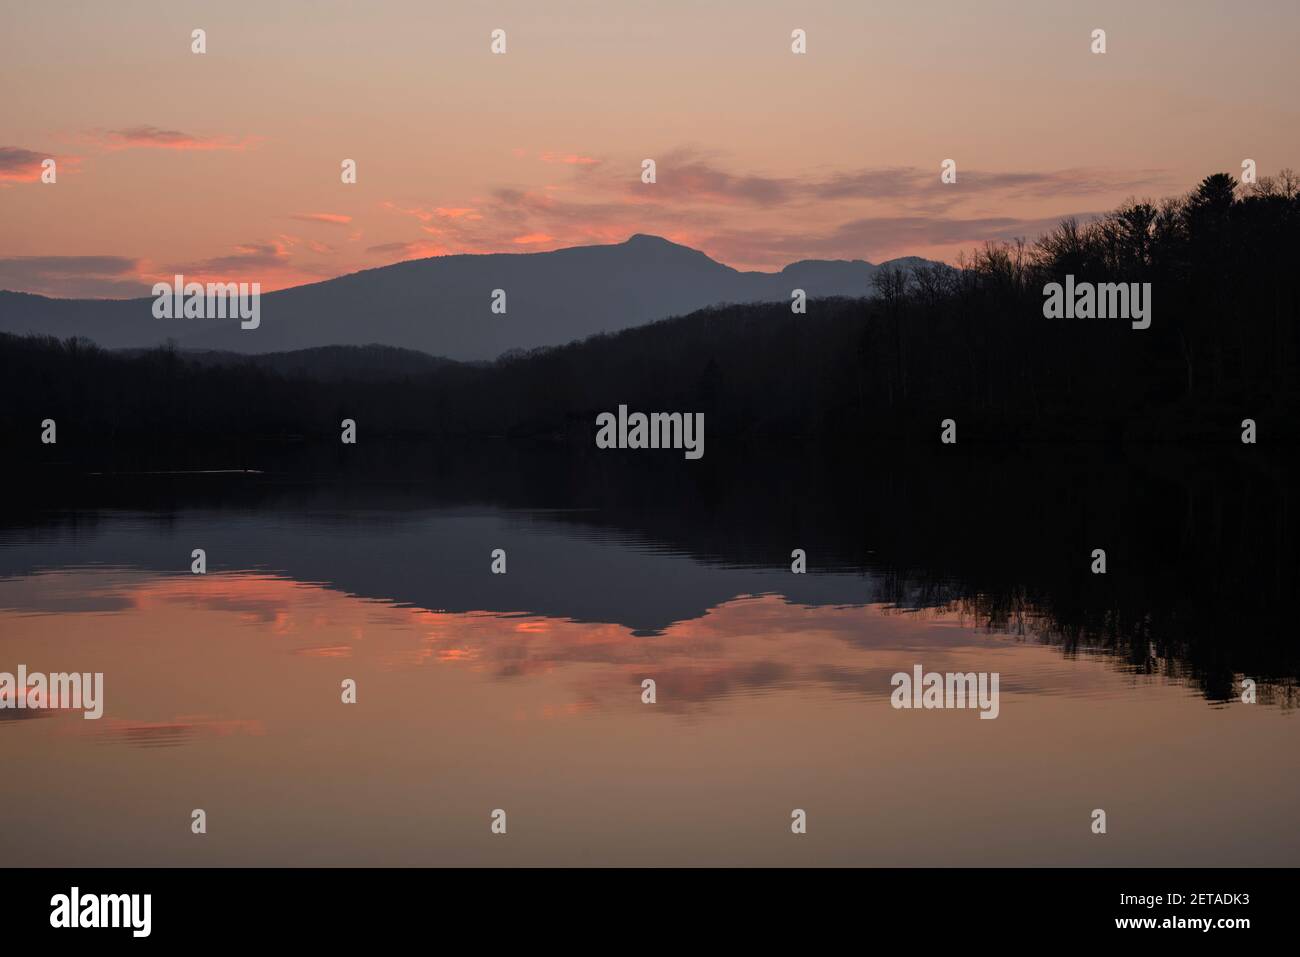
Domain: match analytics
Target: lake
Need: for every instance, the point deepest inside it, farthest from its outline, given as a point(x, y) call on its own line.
point(524, 691)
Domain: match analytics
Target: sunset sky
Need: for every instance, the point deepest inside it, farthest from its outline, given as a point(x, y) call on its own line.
point(226, 164)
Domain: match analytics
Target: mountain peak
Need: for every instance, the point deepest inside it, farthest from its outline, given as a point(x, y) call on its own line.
point(438, 305)
point(646, 239)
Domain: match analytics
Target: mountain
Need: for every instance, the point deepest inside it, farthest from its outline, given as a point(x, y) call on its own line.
point(442, 305)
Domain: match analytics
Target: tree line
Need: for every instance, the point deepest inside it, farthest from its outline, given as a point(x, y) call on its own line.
point(969, 343)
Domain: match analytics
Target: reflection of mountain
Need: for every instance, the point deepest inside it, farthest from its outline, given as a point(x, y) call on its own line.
point(1202, 552)
point(414, 554)
point(442, 305)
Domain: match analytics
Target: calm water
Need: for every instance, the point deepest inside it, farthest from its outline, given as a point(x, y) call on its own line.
point(523, 691)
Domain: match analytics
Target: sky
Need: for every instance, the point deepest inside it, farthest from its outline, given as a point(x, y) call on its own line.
point(226, 165)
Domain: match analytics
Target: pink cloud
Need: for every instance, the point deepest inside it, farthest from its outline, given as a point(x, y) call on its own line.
point(97, 277)
point(568, 159)
point(332, 219)
point(418, 249)
point(152, 137)
point(271, 263)
point(18, 165)
point(428, 215)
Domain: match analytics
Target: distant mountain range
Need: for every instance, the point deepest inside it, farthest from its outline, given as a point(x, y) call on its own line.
point(442, 305)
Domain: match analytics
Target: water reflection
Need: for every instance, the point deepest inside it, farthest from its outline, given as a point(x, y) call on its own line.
point(523, 691)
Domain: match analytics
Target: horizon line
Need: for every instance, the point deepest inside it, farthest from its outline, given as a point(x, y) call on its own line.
point(539, 252)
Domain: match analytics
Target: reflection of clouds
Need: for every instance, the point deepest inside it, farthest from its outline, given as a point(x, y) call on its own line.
point(326, 651)
point(748, 646)
point(683, 686)
point(167, 734)
point(265, 599)
point(69, 590)
point(152, 734)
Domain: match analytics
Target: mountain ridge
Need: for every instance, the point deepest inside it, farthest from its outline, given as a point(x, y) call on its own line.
point(441, 305)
